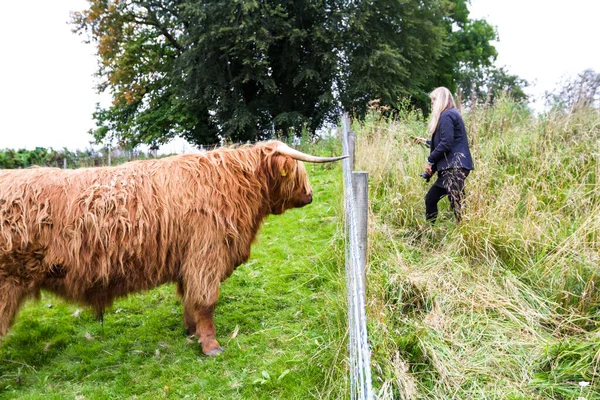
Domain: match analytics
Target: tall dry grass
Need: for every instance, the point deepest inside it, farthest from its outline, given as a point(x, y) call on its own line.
point(505, 304)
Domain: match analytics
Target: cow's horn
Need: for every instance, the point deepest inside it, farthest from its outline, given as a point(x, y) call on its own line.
point(298, 155)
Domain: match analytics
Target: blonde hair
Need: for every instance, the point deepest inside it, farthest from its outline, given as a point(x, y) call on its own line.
point(442, 100)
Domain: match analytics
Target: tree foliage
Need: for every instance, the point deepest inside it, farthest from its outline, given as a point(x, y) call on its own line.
point(138, 48)
point(468, 65)
point(486, 84)
point(467, 46)
point(390, 51)
point(211, 70)
point(582, 91)
point(253, 68)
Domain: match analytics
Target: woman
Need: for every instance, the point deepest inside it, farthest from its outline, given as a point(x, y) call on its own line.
point(449, 156)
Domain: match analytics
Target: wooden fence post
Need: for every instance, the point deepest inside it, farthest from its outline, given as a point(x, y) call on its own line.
point(360, 184)
point(351, 147)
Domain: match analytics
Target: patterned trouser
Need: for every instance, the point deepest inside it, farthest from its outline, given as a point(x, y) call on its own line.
point(451, 183)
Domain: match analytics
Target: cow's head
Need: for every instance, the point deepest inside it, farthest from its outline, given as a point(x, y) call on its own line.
point(288, 185)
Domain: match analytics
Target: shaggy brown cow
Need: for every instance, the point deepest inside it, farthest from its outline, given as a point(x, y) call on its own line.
point(94, 234)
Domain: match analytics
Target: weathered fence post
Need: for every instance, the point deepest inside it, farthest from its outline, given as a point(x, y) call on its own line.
point(355, 193)
point(360, 184)
point(65, 163)
point(351, 148)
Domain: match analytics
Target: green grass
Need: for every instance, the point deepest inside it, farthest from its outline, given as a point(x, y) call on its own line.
point(280, 317)
point(503, 306)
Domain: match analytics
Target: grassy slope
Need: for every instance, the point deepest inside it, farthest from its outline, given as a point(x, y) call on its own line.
point(506, 305)
point(280, 318)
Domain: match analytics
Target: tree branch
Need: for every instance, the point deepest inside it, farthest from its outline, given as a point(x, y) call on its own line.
point(152, 20)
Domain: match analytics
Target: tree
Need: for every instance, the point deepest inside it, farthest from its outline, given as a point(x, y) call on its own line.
point(467, 47)
point(138, 46)
point(390, 51)
point(212, 70)
point(582, 91)
point(268, 66)
point(468, 63)
point(486, 84)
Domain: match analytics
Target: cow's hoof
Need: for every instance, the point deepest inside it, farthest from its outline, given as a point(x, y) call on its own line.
point(215, 352)
point(191, 330)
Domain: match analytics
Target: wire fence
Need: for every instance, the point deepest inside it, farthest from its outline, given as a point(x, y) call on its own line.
point(355, 195)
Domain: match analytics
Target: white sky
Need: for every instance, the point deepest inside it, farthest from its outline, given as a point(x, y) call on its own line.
point(47, 93)
point(543, 41)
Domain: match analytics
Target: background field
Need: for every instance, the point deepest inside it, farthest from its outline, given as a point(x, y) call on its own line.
point(503, 306)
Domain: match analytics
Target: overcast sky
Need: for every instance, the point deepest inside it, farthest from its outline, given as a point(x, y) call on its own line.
point(47, 93)
point(543, 41)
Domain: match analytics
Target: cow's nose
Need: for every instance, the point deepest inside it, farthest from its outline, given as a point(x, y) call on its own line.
point(309, 198)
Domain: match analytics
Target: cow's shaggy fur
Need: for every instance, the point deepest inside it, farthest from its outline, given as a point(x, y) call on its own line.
point(91, 235)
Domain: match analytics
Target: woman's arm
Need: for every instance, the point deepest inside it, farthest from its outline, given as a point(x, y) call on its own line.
point(445, 131)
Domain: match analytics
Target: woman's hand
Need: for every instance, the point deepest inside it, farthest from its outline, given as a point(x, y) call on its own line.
point(420, 140)
point(428, 169)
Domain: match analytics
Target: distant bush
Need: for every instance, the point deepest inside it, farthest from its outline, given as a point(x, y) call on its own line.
point(48, 157)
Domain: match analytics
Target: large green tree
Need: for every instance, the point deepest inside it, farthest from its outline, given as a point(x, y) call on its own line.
point(209, 70)
point(390, 51)
point(468, 63)
point(212, 70)
point(254, 68)
point(467, 45)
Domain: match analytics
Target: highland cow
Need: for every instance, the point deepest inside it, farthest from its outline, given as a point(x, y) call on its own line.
point(92, 235)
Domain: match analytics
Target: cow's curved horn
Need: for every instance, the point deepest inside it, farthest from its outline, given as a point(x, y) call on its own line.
point(298, 155)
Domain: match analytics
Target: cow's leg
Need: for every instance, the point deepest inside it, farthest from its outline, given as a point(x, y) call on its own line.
point(201, 291)
point(206, 331)
point(201, 277)
point(202, 314)
point(189, 319)
point(12, 295)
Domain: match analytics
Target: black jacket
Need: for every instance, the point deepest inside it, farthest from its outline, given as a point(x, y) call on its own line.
point(449, 145)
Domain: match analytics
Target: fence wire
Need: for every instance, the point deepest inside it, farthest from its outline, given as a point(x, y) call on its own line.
point(360, 354)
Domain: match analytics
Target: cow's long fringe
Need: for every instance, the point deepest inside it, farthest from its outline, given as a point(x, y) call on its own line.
point(94, 234)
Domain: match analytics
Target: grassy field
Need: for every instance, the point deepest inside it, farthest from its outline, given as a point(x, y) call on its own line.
point(280, 318)
point(503, 306)
point(506, 304)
